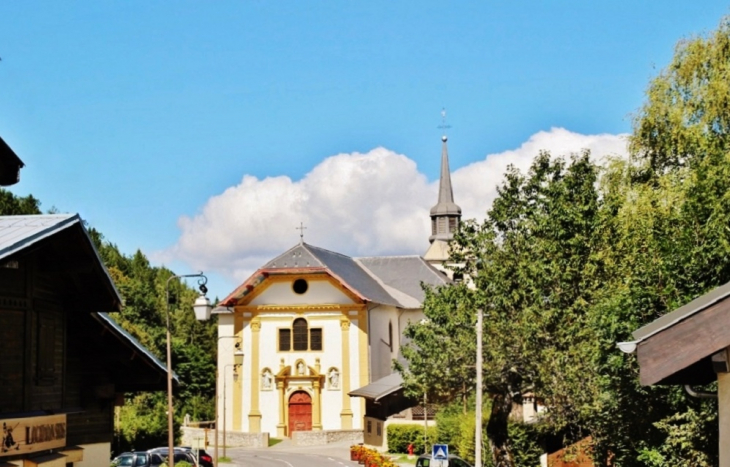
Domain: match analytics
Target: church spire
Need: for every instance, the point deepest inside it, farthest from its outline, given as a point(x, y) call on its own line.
point(445, 216)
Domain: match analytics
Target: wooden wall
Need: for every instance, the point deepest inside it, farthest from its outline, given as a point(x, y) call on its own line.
point(45, 365)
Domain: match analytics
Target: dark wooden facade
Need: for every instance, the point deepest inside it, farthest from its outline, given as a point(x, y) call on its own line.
point(58, 354)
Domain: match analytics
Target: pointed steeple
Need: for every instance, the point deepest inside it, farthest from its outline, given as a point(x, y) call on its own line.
point(446, 215)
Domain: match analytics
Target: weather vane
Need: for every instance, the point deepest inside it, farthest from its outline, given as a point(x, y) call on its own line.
point(443, 125)
point(301, 230)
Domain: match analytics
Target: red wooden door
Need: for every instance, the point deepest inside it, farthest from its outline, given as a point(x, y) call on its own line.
point(300, 412)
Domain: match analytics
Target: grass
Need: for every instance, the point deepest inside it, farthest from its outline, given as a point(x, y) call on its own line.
point(225, 459)
point(274, 441)
point(402, 458)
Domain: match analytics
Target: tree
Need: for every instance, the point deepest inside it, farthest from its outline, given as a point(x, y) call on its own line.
point(527, 262)
point(11, 205)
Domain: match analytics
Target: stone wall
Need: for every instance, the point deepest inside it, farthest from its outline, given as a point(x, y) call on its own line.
point(319, 438)
point(234, 439)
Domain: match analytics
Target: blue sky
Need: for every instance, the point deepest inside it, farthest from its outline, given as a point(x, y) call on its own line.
point(145, 117)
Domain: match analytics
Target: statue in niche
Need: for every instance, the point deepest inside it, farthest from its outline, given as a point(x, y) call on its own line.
point(267, 379)
point(334, 378)
point(300, 368)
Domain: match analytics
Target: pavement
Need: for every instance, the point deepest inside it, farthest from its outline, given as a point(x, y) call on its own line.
point(339, 451)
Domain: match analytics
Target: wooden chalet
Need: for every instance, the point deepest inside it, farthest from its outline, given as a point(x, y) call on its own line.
point(64, 363)
point(10, 165)
point(689, 346)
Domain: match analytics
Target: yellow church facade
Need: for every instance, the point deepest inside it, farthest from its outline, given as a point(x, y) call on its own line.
point(309, 331)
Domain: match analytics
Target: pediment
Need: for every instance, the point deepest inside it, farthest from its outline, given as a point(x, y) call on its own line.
point(299, 290)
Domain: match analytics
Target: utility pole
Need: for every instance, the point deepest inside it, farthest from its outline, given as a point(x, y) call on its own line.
point(425, 425)
point(478, 431)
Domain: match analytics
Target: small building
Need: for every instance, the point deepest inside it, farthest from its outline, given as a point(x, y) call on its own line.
point(64, 363)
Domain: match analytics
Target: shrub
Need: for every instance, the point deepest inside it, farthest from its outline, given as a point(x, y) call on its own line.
point(400, 436)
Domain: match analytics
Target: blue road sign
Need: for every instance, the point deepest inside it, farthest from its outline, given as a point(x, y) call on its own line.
point(440, 451)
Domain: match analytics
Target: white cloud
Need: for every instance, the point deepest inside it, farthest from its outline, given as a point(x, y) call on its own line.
point(357, 204)
point(475, 185)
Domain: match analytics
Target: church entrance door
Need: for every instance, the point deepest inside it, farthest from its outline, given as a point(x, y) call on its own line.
point(300, 412)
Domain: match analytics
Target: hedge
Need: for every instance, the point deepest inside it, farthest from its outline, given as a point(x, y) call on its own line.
point(400, 436)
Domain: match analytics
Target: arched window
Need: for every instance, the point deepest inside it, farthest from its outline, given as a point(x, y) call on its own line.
point(301, 334)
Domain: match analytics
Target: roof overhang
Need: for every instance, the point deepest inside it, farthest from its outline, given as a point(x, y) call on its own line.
point(381, 388)
point(678, 347)
point(10, 165)
point(136, 354)
point(67, 249)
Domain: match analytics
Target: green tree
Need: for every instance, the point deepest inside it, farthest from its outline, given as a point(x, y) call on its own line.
point(527, 262)
point(11, 205)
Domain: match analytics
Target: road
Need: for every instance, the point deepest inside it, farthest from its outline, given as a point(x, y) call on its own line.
point(280, 458)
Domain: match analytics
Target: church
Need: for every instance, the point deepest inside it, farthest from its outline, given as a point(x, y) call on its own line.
point(312, 326)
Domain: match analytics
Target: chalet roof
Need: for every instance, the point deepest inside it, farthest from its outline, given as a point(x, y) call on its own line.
point(10, 165)
point(677, 348)
point(19, 234)
point(139, 350)
point(380, 388)
point(683, 312)
point(387, 280)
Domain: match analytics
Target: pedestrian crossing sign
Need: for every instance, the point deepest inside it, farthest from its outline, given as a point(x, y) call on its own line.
point(440, 451)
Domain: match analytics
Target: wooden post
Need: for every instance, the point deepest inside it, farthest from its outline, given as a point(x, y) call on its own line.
point(723, 409)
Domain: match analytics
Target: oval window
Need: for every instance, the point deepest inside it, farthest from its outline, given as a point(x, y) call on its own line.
point(300, 286)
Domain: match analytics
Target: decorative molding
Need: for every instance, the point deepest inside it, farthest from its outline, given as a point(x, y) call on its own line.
point(323, 307)
point(255, 325)
point(345, 324)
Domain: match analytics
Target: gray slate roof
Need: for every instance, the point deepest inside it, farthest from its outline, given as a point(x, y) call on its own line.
point(388, 280)
point(20, 232)
point(404, 273)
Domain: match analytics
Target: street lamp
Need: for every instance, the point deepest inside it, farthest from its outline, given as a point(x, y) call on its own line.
point(202, 308)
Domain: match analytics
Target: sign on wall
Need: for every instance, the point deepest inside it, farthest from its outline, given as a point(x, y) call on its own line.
point(32, 434)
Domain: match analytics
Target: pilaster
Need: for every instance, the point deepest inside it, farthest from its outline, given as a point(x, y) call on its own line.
point(346, 414)
point(254, 416)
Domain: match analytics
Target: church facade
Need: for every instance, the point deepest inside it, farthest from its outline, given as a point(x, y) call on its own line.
point(311, 326)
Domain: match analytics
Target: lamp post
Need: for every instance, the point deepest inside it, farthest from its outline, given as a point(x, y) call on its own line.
point(236, 355)
point(235, 378)
point(202, 310)
point(478, 433)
